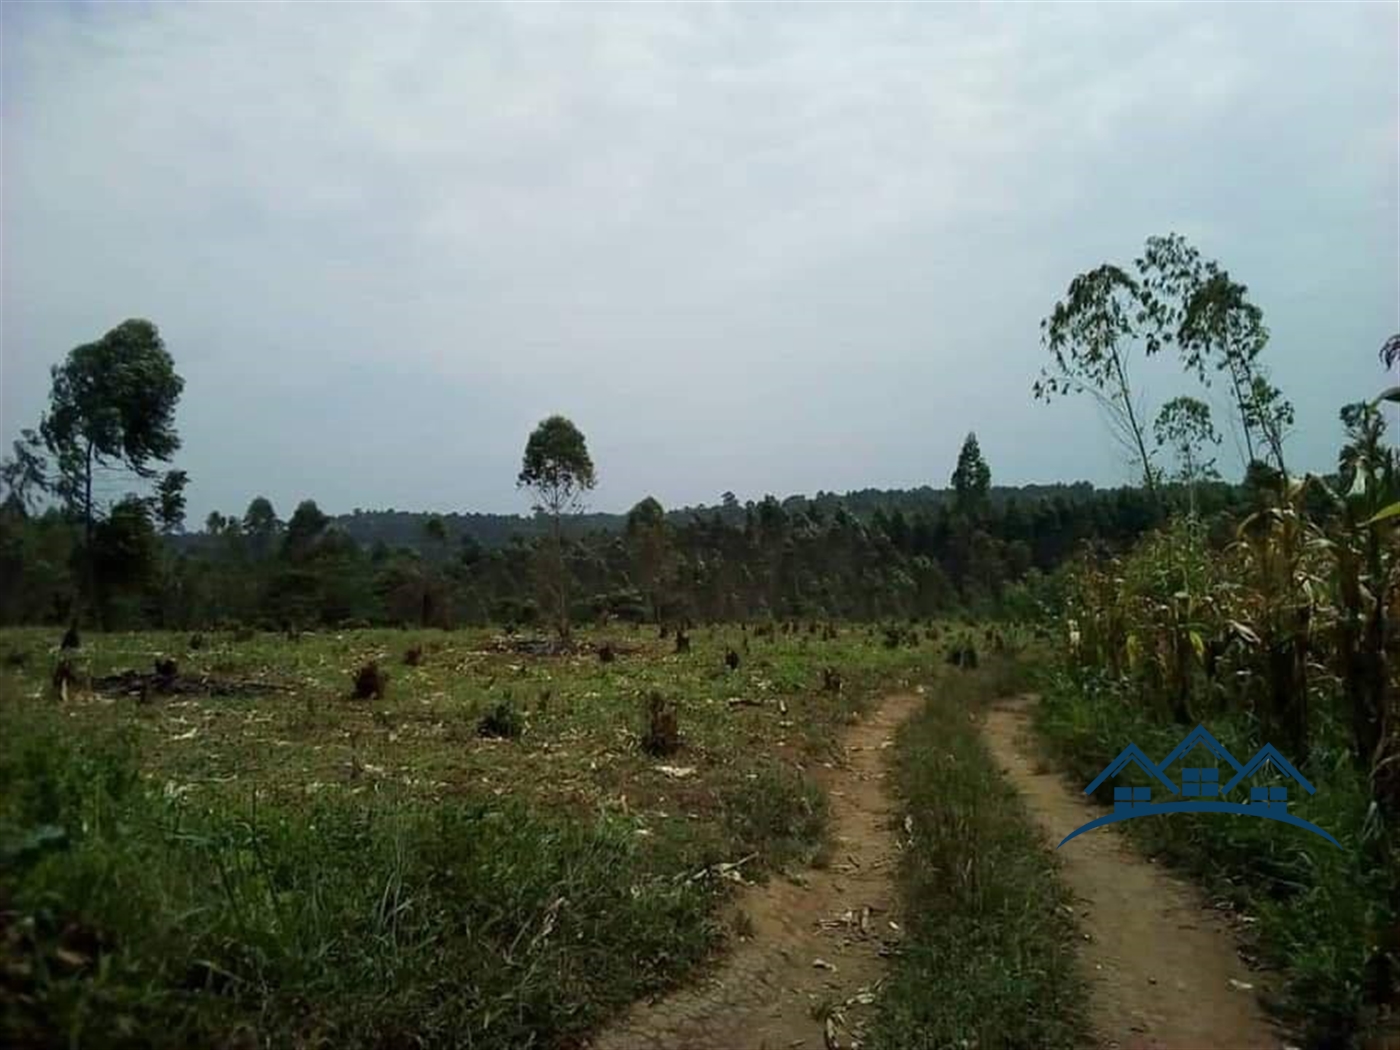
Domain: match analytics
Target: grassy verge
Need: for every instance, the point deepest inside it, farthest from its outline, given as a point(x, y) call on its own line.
point(132, 918)
point(1314, 911)
point(989, 956)
point(295, 869)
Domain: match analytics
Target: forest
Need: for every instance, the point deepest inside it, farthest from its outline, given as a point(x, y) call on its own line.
point(526, 777)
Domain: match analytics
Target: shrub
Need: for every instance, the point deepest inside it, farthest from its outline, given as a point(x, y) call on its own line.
point(502, 722)
point(370, 682)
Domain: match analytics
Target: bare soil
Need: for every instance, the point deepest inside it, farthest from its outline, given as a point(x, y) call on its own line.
point(1162, 969)
point(806, 973)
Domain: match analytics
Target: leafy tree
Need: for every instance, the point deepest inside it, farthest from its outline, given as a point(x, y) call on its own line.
point(1270, 413)
point(112, 404)
point(1092, 335)
point(558, 471)
point(170, 501)
point(972, 479)
point(1196, 303)
point(261, 526)
point(648, 543)
point(1184, 428)
point(111, 407)
point(126, 554)
point(306, 526)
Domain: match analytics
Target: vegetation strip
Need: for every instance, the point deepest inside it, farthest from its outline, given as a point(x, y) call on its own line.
point(989, 956)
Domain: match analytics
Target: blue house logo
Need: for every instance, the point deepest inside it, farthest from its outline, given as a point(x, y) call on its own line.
point(1200, 788)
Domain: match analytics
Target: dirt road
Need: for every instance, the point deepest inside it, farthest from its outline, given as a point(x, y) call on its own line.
point(815, 945)
point(1162, 969)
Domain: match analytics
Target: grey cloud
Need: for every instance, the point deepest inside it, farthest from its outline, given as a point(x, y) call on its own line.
point(755, 247)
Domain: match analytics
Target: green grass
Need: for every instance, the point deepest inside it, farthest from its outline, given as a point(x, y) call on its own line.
point(1315, 912)
point(300, 869)
point(989, 955)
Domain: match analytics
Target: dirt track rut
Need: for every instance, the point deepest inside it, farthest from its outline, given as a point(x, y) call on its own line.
point(1162, 969)
point(816, 945)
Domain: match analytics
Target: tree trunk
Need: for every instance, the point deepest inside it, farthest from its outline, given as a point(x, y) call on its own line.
point(89, 560)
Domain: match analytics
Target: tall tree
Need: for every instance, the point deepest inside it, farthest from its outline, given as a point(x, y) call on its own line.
point(261, 526)
point(112, 404)
point(307, 525)
point(1092, 335)
point(648, 545)
point(1195, 303)
point(169, 501)
point(1184, 428)
point(972, 479)
point(558, 472)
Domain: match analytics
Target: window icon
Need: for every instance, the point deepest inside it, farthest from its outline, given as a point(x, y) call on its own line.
point(1199, 782)
point(1269, 796)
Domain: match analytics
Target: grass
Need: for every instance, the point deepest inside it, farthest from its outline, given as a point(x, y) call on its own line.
point(300, 869)
point(989, 953)
point(1315, 912)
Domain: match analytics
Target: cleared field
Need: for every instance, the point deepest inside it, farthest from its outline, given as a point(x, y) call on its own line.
point(241, 851)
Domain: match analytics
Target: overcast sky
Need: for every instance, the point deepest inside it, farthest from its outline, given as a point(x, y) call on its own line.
point(755, 247)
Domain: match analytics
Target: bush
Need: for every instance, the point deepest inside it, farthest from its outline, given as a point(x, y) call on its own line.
point(501, 722)
point(370, 682)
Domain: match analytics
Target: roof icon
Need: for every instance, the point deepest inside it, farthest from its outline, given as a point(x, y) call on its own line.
point(1268, 753)
point(1131, 753)
point(1201, 735)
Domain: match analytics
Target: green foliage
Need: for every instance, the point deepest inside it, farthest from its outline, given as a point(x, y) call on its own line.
point(306, 526)
point(1390, 351)
point(125, 555)
point(1091, 335)
point(1183, 427)
point(24, 473)
point(502, 721)
point(988, 957)
point(170, 500)
point(1172, 296)
point(556, 467)
point(558, 471)
point(1284, 634)
point(648, 540)
point(112, 402)
point(972, 479)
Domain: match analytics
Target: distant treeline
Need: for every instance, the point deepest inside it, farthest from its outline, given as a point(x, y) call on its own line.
point(864, 555)
point(404, 528)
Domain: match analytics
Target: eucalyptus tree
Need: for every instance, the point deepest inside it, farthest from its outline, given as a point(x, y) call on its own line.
point(558, 472)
